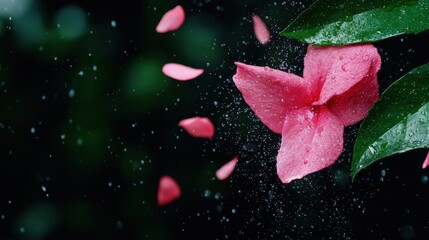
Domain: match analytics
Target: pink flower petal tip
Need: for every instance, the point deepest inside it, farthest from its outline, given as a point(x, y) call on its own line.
point(168, 190)
point(199, 127)
point(225, 171)
point(261, 31)
point(181, 72)
point(426, 162)
point(172, 20)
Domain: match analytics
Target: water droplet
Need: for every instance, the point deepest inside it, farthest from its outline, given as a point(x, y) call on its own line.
point(71, 93)
point(424, 179)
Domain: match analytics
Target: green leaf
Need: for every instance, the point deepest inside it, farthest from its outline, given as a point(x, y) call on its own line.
point(397, 123)
point(335, 22)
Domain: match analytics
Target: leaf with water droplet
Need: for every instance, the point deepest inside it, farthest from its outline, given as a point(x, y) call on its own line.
point(335, 22)
point(397, 123)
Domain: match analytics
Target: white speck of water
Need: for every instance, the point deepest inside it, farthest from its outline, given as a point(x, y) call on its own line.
point(32, 130)
point(113, 23)
point(44, 188)
point(81, 73)
point(119, 224)
point(79, 141)
point(71, 93)
point(217, 196)
point(22, 230)
point(424, 179)
point(207, 193)
point(63, 136)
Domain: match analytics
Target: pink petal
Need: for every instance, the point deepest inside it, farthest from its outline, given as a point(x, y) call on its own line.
point(334, 70)
point(171, 20)
point(168, 190)
point(225, 171)
point(271, 93)
point(312, 139)
point(199, 127)
point(426, 162)
point(181, 72)
point(261, 31)
point(353, 105)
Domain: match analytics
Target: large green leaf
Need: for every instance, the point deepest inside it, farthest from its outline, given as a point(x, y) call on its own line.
point(336, 22)
point(398, 122)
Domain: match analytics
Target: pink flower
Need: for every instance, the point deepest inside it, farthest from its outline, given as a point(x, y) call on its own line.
point(225, 171)
point(337, 90)
point(199, 127)
point(171, 20)
point(426, 162)
point(168, 190)
point(181, 72)
point(261, 31)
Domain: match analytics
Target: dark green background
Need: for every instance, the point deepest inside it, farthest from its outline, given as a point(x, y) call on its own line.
point(90, 168)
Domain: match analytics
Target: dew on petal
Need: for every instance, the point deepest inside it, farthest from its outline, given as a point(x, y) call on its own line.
point(426, 162)
point(181, 72)
point(168, 190)
point(171, 20)
point(199, 127)
point(225, 171)
point(261, 31)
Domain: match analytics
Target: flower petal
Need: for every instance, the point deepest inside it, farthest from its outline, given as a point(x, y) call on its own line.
point(334, 70)
point(353, 105)
point(181, 72)
point(261, 31)
point(171, 20)
point(271, 93)
point(312, 139)
point(225, 171)
point(199, 127)
point(168, 190)
point(426, 162)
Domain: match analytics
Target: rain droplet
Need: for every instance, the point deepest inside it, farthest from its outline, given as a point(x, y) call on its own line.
point(71, 93)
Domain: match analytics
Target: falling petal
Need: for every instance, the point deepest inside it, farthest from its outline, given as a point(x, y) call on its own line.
point(261, 31)
point(181, 72)
point(168, 190)
point(426, 162)
point(171, 20)
point(199, 127)
point(225, 171)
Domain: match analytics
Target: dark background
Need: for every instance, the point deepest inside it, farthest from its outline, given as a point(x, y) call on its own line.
point(88, 124)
